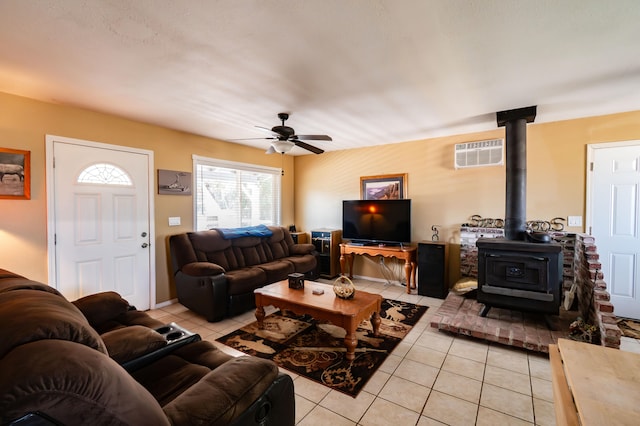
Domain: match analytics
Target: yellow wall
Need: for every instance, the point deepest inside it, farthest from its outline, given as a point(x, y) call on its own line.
point(24, 124)
point(441, 195)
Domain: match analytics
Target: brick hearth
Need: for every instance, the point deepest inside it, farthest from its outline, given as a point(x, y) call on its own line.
point(460, 315)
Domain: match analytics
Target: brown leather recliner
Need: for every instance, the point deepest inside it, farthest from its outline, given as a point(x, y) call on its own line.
point(56, 368)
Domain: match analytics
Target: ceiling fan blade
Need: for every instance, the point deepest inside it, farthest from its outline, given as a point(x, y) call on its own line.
point(251, 139)
point(265, 129)
point(308, 147)
point(313, 137)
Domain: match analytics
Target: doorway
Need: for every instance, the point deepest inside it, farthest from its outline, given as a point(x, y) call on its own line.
point(100, 222)
point(613, 218)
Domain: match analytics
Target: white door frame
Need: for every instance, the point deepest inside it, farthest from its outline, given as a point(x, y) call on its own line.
point(591, 148)
point(51, 220)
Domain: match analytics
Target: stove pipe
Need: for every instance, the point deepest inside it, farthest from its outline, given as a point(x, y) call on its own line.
point(515, 122)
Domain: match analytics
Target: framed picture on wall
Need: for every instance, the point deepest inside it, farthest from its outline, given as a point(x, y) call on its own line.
point(383, 187)
point(15, 174)
point(171, 182)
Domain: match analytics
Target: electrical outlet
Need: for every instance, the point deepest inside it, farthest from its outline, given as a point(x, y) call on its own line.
point(174, 221)
point(574, 221)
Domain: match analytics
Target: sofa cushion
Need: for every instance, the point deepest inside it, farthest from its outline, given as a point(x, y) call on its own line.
point(208, 241)
point(169, 376)
point(209, 246)
point(300, 249)
point(249, 251)
point(245, 280)
point(73, 384)
point(277, 270)
point(232, 388)
point(32, 315)
point(135, 318)
point(302, 264)
point(10, 281)
point(182, 251)
point(128, 343)
point(278, 243)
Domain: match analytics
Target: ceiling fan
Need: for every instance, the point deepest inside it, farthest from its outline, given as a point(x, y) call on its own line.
point(285, 138)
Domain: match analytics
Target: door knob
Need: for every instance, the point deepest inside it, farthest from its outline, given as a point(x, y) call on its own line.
point(145, 245)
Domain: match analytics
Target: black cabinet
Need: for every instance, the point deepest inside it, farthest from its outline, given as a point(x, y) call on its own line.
point(432, 269)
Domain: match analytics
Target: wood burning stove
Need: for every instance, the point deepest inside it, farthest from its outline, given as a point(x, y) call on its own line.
point(519, 275)
point(515, 272)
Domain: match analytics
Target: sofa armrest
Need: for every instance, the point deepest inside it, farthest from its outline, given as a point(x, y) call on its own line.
point(202, 269)
point(224, 393)
point(274, 407)
point(300, 249)
point(128, 343)
point(206, 295)
point(101, 307)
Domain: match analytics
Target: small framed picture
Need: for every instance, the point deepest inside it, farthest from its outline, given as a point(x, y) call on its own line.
point(171, 182)
point(383, 187)
point(15, 174)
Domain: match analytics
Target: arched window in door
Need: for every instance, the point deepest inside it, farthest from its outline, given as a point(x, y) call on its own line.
point(106, 174)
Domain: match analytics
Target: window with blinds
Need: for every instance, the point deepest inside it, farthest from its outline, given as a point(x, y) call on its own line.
point(230, 194)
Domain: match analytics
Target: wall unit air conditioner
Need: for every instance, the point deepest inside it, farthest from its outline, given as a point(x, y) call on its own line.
point(479, 154)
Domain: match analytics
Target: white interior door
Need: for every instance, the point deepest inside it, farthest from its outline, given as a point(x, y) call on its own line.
point(614, 209)
point(102, 222)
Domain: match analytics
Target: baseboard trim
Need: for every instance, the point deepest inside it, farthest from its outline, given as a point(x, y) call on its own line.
point(165, 304)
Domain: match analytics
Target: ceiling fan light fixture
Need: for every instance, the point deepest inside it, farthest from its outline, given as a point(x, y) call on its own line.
point(282, 147)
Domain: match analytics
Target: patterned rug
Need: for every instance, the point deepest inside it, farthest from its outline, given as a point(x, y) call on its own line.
point(315, 349)
point(629, 327)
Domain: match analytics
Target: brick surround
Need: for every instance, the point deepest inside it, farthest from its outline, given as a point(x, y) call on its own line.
point(593, 298)
point(529, 331)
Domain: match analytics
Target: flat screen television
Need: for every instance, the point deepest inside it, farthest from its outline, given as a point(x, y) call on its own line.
point(376, 221)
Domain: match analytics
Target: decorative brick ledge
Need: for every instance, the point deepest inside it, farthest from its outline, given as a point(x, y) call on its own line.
point(593, 298)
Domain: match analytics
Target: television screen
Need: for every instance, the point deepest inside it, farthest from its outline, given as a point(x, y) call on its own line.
point(376, 221)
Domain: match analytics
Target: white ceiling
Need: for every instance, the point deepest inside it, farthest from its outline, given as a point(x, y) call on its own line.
point(366, 72)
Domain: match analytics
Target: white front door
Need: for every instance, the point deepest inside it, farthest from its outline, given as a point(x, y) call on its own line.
point(101, 218)
point(614, 208)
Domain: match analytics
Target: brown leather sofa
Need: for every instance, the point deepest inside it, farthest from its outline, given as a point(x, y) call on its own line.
point(216, 275)
point(99, 361)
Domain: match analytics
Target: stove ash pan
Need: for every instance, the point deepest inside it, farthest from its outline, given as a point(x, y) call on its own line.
point(519, 275)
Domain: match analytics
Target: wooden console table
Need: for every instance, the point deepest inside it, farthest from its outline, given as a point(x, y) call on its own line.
point(408, 253)
point(594, 385)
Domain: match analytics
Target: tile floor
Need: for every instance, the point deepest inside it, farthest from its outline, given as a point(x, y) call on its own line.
point(431, 378)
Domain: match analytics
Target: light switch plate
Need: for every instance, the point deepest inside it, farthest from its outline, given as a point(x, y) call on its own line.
point(574, 221)
point(174, 221)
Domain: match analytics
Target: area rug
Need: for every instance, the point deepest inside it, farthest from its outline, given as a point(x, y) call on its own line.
point(629, 327)
point(315, 349)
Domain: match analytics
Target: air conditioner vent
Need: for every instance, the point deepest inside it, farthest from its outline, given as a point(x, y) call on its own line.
point(479, 154)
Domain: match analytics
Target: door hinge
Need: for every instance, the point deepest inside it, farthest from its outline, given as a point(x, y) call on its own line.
point(591, 166)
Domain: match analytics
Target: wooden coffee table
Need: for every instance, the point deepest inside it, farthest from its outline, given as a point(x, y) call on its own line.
point(346, 314)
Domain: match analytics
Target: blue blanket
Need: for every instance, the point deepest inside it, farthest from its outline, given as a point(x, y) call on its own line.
point(246, 231)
